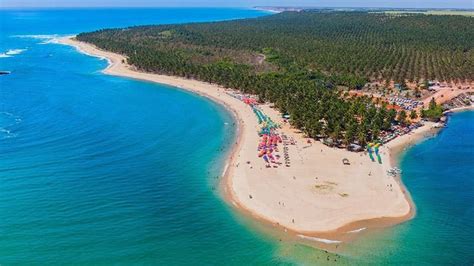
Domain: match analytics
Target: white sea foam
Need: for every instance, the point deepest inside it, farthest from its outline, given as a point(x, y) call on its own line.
point(37, 36)
point(15, 51)
point(7, 120)
point(323, 240)
point(48, 41)
point(357, 230)
point(6, 133)
point(45, 38)
point(11, 52)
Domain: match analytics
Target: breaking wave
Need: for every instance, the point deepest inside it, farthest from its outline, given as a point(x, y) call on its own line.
point(357, 230)
point(323, 240)
point(44, 38)
point(11, 52)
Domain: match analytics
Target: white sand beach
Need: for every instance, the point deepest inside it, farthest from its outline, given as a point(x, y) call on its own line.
point(317, 194)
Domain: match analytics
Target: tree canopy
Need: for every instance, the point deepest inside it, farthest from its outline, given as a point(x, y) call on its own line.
point(296, 60)
point(350, 47)
point(434, 111)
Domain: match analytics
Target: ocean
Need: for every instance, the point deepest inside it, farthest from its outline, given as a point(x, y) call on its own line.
point(96, 169)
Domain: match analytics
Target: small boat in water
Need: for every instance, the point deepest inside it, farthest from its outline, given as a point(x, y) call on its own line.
point(4, 72)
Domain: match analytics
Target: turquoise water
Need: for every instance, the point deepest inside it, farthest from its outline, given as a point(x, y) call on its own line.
point(96, 169)
point(100, 169)
point(439, 174)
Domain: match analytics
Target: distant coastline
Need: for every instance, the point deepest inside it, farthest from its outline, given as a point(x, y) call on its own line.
point(393, 11)
point(275, 9)
point(348, 8)
point(317, 197)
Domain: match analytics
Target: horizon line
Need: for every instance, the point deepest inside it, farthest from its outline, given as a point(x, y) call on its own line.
point(237, 7)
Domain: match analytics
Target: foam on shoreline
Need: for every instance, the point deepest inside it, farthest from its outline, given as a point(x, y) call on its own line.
point(357, 230)
point(323, 240)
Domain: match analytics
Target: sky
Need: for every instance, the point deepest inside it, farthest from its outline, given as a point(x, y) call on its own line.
point(241, 3)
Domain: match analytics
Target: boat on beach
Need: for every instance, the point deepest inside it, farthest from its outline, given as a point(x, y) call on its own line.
point(394, 171)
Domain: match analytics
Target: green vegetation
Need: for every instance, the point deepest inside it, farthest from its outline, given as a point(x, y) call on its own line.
point(402, 117)
point(349, 47)
point(434, 111)
point(297, 60)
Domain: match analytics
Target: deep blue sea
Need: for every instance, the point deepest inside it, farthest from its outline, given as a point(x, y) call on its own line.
point(96, 169)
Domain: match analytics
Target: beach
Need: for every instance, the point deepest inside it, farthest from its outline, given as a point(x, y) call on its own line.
point(317, 196)
point(460, 109)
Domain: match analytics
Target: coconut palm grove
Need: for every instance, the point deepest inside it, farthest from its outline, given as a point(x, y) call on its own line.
point(305, 62)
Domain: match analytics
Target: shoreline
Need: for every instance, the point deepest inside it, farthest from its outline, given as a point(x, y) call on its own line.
point(459, 109)
point(378, 200)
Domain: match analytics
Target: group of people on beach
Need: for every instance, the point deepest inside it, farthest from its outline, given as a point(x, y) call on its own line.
point(267, 146)
point(286, 155)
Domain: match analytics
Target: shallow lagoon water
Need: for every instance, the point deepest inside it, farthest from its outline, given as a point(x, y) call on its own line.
point(439, 173)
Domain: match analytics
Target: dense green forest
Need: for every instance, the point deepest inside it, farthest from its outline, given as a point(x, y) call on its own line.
point(346, 45)
point(296, 59)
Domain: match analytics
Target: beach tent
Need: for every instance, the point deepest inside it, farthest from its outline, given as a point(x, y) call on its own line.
point(370, 151)
point(354, 147)
point(328, 142)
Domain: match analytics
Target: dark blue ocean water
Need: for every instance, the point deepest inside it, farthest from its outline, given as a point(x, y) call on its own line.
point(96, 169)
